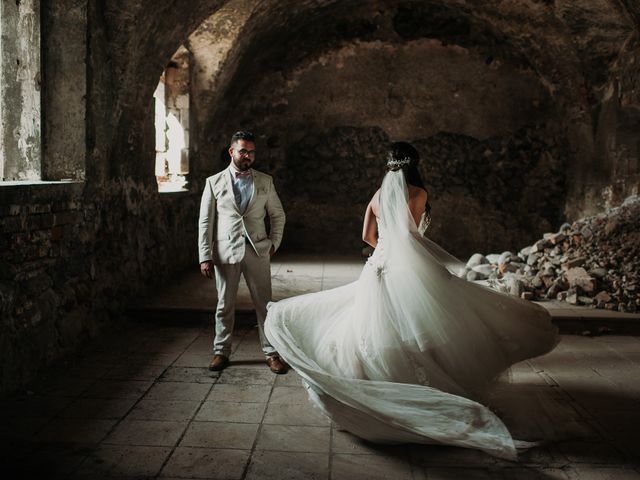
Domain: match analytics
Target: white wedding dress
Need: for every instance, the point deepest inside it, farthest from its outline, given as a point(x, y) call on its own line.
point(404, 353)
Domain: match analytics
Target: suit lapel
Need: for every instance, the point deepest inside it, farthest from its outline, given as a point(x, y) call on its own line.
point(253, 192)
point(231, 193)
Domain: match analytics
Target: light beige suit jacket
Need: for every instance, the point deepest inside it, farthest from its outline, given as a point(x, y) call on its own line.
point(223, 228)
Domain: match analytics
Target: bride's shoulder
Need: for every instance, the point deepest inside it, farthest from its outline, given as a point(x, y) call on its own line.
point(417, 193)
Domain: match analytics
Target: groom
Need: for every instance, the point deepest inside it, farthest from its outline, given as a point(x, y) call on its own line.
point(232, 240)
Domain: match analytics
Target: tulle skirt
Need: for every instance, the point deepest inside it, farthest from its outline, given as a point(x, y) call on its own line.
point(407, 352)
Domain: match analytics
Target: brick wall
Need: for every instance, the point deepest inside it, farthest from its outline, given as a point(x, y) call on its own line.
point(72, 259)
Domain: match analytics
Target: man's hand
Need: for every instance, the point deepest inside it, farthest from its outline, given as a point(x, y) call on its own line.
point(272, 250)
point(206, 268)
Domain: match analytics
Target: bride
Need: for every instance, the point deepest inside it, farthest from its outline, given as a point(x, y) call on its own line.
point(406, 352)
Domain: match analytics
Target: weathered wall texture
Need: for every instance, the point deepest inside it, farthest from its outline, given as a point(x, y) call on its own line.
point(71, 260)
point(64, 34)
point(20, 80)
point(484, 122)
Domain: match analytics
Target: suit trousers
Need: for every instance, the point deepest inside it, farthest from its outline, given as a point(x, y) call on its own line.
point(257, 273)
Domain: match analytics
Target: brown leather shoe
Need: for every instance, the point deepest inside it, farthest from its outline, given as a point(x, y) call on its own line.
point(219, 362)
point(277, 365)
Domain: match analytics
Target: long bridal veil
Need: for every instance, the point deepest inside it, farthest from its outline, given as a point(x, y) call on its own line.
point(404, 353)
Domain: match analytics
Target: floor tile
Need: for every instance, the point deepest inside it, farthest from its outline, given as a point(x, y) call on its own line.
point(247, 376)
point(289, 395)
point(220, 435)
point(295, 414)
point(374, 467)
point(106, 408)
point(294, 438)
point(240, 393)
point(344, 442)
point(125, 461)
point(118, 389)
point(135, 371)
point(146, 433)
point(75, 430)
point(238, 412)
point(288, 466)
point(178, 391)
point(209, 463)
point(189, 375)
point(171, 410)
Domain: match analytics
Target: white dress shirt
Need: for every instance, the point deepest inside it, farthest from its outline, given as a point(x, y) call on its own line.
point(242, 188)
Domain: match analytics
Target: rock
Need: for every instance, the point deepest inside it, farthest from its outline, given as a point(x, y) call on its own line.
point(548, 270)
point(572, 299)
point(603, 297)
point(473, 276)
point(524, 253)
point(562, 295)
point(576, 262)
point(493, 258)
point(611, 226)
point(557, 238)
point(533, 258)
point(477, 259)
point(555, 288)
point(578, 277)
point(484, 270)
point(526, 296)
point(598, 272)
point(586, 232)
point(505, 257)
point(564, 228)
point(573, 273)
point(547, 280)
point(584, 300)
point(536, 282)
point(539, 246)
point(508, 268)
point(516, 286)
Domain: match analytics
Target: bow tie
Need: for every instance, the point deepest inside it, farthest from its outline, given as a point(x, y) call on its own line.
point(246, 173)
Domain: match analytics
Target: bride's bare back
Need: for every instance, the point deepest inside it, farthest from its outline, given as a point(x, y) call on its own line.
point(416, 203)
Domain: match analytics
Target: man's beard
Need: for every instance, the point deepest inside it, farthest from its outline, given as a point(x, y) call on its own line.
point(242, 165)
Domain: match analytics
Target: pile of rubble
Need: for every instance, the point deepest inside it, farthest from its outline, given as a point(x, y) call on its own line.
point(595, 261)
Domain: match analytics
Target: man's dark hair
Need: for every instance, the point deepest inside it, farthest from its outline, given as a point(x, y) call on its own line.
point(242, 135)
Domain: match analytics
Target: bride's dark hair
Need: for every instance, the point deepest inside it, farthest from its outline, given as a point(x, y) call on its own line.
point(403, 155)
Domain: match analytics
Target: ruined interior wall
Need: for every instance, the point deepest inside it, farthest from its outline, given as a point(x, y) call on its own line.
point(20, 83)
point(485, 129)
point(72, 259)
point(64, 34)
point(617, 126)
point(74, 255)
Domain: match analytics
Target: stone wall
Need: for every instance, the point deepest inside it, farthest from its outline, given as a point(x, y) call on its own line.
point(486, 131)
point(20, 84)
point(73, 257)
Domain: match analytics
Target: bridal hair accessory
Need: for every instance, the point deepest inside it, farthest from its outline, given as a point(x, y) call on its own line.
point(398, 163)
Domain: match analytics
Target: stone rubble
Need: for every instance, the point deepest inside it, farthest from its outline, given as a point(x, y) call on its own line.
point(594, 261)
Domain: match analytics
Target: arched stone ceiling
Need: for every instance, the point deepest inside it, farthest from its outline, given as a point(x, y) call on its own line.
point(569, 43)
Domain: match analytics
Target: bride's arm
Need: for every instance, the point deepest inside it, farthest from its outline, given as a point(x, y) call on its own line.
point(370, 227)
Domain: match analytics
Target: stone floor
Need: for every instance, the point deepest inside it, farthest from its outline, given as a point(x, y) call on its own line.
point(141, 403)
point(298, 274)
